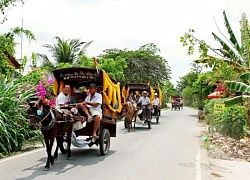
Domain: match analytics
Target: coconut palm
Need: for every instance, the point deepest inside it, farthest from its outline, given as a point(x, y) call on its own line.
point(63, 51)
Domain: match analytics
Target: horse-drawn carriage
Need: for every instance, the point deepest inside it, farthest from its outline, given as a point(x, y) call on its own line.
point(132, 111)
point(176, 102)
point(82, 135)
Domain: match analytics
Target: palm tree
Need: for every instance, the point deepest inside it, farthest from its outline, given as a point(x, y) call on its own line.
point(63, 51)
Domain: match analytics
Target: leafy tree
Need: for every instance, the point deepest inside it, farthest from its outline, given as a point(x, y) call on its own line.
point(186, 81)
point(114, 67)
point(63, 51)
point(143, 65)
point(7, 48)
point(188, 95)
point(202, 86)
point(168, 88)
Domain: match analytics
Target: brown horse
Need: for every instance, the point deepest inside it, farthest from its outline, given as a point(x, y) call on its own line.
point(130, 112)
point(53, 124)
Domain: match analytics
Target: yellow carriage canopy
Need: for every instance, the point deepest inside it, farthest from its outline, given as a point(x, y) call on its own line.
point(78, 77)
point(138, 88)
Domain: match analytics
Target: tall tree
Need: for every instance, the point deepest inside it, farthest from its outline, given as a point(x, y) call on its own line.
point(143, 65)
point(63, 51)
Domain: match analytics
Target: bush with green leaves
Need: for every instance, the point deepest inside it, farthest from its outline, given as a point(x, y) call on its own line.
point(232, 122)
point(209, 104)
point(209, 109)
point(14, 128)
point(33, 77)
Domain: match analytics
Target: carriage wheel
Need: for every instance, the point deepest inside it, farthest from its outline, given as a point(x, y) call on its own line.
point(63, 146)
point(104, 141)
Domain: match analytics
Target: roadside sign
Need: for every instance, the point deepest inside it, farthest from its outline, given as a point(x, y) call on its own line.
point(218, 108)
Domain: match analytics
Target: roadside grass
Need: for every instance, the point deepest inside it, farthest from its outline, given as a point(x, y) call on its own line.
point(29, 145)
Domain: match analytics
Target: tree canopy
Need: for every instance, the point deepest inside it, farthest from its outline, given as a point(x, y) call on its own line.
point(143, 65)
point(7, 47)
point(63, 51)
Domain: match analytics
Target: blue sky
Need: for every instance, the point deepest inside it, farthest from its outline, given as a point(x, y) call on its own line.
point(126, 24)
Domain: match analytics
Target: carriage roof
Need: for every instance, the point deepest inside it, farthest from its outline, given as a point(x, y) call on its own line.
point(79, 76)
point(138, 86)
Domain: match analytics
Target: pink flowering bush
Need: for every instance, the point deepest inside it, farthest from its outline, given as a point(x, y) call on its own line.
point(45, 88)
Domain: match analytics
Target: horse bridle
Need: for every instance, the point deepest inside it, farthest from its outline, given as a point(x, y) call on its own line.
point(39, 119)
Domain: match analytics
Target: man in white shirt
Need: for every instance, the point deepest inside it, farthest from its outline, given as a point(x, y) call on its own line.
point(92, 107)
point(156, 101)
point(63, 97)
point(145, 102)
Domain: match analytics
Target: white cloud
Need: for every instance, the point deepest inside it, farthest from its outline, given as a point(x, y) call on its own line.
point(126, 24)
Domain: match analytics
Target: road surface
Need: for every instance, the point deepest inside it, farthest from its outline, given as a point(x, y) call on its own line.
point(168, 151)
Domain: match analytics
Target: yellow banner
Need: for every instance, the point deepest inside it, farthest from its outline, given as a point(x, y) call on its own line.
point(218, 108)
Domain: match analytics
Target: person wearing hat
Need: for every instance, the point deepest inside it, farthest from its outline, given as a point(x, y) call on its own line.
point(156, 101)
point(145, 103)
point(76, 98)
point(92, 107)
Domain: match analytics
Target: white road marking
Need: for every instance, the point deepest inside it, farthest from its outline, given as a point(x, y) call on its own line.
point(198, 165)
point(20, 155)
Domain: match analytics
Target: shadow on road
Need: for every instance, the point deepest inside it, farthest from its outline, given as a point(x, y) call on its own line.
point(134, 130)
point(194, 115)
point(80, 157)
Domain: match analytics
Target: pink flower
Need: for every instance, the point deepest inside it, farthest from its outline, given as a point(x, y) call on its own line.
point(52, 102)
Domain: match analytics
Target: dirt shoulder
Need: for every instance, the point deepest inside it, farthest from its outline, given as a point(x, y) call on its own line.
point(228, 158)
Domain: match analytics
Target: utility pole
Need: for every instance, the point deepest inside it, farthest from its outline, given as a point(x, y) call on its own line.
point(22, 36)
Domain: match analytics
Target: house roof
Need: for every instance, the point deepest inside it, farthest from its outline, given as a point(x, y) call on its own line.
point(12, 60)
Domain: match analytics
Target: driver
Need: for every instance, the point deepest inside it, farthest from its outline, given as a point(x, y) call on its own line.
point(145, 103)
point(156, 101)
point(92, 107)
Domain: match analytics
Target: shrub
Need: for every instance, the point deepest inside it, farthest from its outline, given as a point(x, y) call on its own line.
point(208, 109)
point(33, 77)
point(209, 105)
point(232, 121)
point(45, 88)
point(14, 129)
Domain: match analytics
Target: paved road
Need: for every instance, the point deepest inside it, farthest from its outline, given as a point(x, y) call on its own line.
point(168, 151)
